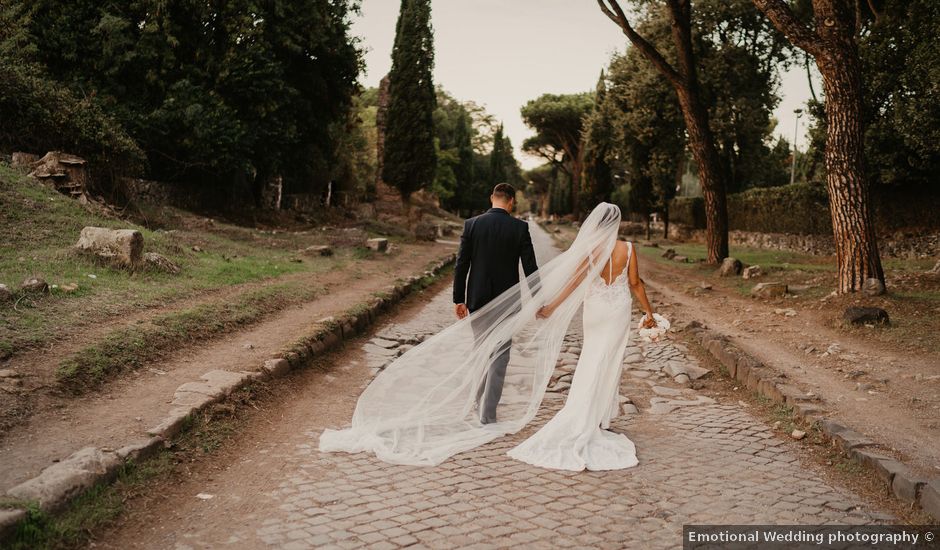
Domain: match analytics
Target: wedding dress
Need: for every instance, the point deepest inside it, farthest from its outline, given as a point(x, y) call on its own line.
point(421, 409)
point(576, 437)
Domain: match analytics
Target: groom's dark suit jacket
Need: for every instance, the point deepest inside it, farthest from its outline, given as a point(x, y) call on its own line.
point(491, 247)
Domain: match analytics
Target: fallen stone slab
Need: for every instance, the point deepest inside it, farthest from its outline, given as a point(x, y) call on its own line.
point(769, 290)
point(873, 287)
point(662, 390)
point(695, 372)
point(730, 267)
point(377, 244)
point(865, 315)
point(751, 272)
point(662, 405)
point(59, 483)
point(34, 284)
point(318, 250)
point(122, 246)
point(382, 342)
point(161, 263)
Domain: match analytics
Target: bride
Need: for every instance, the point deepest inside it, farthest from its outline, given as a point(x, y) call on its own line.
point(420, 409)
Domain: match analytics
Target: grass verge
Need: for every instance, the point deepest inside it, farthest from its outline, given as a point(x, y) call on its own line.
point(131, 347)
point(40, 227)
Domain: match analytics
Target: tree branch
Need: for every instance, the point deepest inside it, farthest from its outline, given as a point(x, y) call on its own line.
point(786, 22)
point(615, 13)
point(874, 11)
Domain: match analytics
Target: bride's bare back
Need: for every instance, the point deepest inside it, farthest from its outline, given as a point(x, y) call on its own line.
point(617, 262)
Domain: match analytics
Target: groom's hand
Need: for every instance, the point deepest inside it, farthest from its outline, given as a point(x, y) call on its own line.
point(460, 310)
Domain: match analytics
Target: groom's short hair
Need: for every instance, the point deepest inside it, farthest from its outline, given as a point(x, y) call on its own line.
point(504, 191)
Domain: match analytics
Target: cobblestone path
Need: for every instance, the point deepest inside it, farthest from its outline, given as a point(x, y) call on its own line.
point(701, 461)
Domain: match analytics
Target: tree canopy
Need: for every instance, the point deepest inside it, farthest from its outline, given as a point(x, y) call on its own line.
point(212, 93)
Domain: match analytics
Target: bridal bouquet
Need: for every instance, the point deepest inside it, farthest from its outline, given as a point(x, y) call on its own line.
point(655, 333)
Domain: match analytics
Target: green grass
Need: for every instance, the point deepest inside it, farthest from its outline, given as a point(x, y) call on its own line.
point(96, 507)
point(926, 295)
point(40, 227)
point(132, 346)
point(767, 259)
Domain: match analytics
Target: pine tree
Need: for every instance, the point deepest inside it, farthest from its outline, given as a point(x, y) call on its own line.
point(410, 159)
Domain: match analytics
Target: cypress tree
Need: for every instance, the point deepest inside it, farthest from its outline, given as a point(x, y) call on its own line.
point(497, 158)
point(410, 159)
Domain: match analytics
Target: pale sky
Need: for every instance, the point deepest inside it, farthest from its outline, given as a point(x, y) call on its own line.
point(502, 53)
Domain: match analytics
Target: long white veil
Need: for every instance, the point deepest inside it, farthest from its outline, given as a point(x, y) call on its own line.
point(421, 409)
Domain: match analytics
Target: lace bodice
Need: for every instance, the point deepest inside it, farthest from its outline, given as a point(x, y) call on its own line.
point(618, 290)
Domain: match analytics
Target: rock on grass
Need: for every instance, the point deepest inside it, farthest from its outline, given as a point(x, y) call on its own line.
point(769, 290)
point(865, 315)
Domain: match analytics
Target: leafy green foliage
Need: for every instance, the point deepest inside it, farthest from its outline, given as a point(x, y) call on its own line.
point(557, 121)
point(40, 116)
point(213, 93)
point(410, 161)
point(901, 70)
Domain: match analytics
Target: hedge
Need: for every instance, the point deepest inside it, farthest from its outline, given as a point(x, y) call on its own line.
point(804, 209)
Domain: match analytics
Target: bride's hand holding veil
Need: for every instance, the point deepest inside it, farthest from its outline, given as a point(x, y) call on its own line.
point(580, 273)
point(544, 312)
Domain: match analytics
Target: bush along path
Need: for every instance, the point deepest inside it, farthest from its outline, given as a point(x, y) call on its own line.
point(88, 468)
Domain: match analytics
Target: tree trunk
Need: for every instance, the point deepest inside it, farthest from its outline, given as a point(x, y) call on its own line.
point(577, 167)
point(833, 45)
point(849, 191)
point(710, 176)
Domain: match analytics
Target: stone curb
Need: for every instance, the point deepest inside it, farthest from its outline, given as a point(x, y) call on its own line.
point(60, 483)
point(906, 485)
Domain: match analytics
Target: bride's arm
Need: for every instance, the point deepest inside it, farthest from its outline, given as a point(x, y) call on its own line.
point(575, 281)
point(639, 289)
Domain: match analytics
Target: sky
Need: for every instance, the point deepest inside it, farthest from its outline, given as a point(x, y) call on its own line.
point(502, 53)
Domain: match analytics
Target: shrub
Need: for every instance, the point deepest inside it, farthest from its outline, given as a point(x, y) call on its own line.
point(41, 115)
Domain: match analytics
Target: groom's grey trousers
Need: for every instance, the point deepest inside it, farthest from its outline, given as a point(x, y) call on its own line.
point(491, 389)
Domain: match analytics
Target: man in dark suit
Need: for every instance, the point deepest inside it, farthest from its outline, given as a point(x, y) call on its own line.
point(491, 247)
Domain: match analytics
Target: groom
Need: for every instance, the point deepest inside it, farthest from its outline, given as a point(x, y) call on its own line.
point(491, 247)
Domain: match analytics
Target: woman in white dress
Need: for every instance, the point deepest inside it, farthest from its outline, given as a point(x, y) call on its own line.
point(576, 438)
point(420, 410)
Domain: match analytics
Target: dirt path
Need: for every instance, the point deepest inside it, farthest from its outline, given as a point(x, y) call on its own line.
point(884, 393)
point(125, 408)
